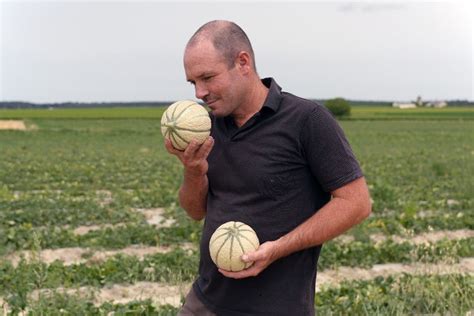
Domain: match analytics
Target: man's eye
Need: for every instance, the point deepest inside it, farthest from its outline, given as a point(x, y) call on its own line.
point(207, 78)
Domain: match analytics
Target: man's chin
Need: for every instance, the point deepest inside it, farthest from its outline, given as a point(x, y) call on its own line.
point(217, 113)
point(216, 110)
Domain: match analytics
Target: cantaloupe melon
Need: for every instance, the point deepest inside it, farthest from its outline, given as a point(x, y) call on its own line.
point(184, 121)
point(229, 242)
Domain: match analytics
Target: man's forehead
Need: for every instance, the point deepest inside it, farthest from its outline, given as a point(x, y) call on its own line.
point(196, 70)
point(201, 48)
point(204, 56)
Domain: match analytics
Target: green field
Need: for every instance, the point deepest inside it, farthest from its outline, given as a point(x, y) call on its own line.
point(389, 113)
point(91, 113)
point(357, 113)
point(75, 169)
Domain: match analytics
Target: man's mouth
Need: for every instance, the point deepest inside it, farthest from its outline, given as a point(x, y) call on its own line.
point(210, 104)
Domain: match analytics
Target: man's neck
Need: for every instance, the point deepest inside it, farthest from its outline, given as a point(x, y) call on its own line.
point(254, 102)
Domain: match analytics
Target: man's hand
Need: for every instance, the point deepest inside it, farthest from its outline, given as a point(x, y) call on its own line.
point(194, 157)
point(349, 206)
point(261, 258)
point(193, 191)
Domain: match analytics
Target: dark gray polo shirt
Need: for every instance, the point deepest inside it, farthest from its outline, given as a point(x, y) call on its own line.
point(273, 173)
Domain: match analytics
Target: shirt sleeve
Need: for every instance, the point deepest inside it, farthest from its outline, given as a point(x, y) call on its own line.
point(327, 151)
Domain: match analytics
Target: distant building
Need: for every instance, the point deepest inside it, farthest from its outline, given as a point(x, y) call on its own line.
point(404, 105)
point(440, 104)
point(419, 103)
point(436, 104)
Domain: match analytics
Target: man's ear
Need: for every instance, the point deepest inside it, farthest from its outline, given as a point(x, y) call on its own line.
point(243, 62)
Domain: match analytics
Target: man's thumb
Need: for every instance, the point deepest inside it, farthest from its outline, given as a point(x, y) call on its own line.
point(249, 257)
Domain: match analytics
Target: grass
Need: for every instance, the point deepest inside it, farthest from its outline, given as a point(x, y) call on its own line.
point(357, 113)
point(84, 113)
point(181, 266)
point(418, 164)
point(407, 295)
point(172, 268)
point(390, 113)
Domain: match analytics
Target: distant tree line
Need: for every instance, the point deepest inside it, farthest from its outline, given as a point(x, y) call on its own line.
point(389, 103)
point(28, 105)
point(359, 102)
point(460, 103)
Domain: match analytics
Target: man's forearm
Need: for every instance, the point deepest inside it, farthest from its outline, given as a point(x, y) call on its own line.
point(349, 206)
point(193, 195)
point(333, 219)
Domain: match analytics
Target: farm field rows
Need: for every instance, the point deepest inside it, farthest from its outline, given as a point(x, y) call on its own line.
point(357, 113)
point(89, 221)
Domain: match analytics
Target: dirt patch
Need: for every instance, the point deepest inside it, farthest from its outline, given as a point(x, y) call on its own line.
point(155, 217)
point(11, 124)
point(75, 255)
point(161, 294)
point(22, 193)
point(136, 251)
point(82, 230)
point(344, 239)
point(424, 238)
point(104, 197)
point(158, 293)
point(334, 277)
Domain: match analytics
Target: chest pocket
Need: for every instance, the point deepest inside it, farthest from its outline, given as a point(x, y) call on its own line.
point(275, 186)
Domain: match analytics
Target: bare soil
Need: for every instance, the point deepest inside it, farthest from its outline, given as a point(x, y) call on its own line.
point(104, 197)
point(12, 124)
point(155, 217)
point(158, 293)
point(76, 255)
point(429, 237)
point(423, 238)
point(82, 230)
point(162, 294)
point(334, 277)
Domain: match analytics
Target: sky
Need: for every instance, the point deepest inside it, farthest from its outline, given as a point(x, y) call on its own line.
point(106, 51)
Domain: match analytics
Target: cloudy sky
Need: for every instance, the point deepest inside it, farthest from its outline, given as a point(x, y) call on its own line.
point(132, 51)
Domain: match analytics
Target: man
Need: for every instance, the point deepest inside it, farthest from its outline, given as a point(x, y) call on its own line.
point(274, 161)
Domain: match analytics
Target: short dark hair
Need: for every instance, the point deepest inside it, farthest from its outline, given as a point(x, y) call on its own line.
point(227, 37)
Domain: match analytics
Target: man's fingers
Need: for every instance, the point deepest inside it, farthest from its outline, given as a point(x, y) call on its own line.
point(194, 154)
point(171, 149)
point(191, 149)
point(250, 272)
point(206, 148)
point(196, 151)
point(254, 256)
point(248, 257)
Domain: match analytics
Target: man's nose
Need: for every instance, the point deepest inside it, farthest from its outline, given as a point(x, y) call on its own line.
point(201, 91)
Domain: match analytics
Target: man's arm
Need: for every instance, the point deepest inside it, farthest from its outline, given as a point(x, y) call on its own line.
point(349, 206)
point(193, 191)
point(193, 195)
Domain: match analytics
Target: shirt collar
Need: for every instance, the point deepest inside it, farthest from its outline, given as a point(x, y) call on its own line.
point(274, 94)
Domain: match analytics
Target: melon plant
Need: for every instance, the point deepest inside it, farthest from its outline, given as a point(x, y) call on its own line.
point(184, 121)
point(229, 242)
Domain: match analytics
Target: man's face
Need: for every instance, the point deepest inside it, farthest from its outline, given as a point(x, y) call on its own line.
point(214, 81)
